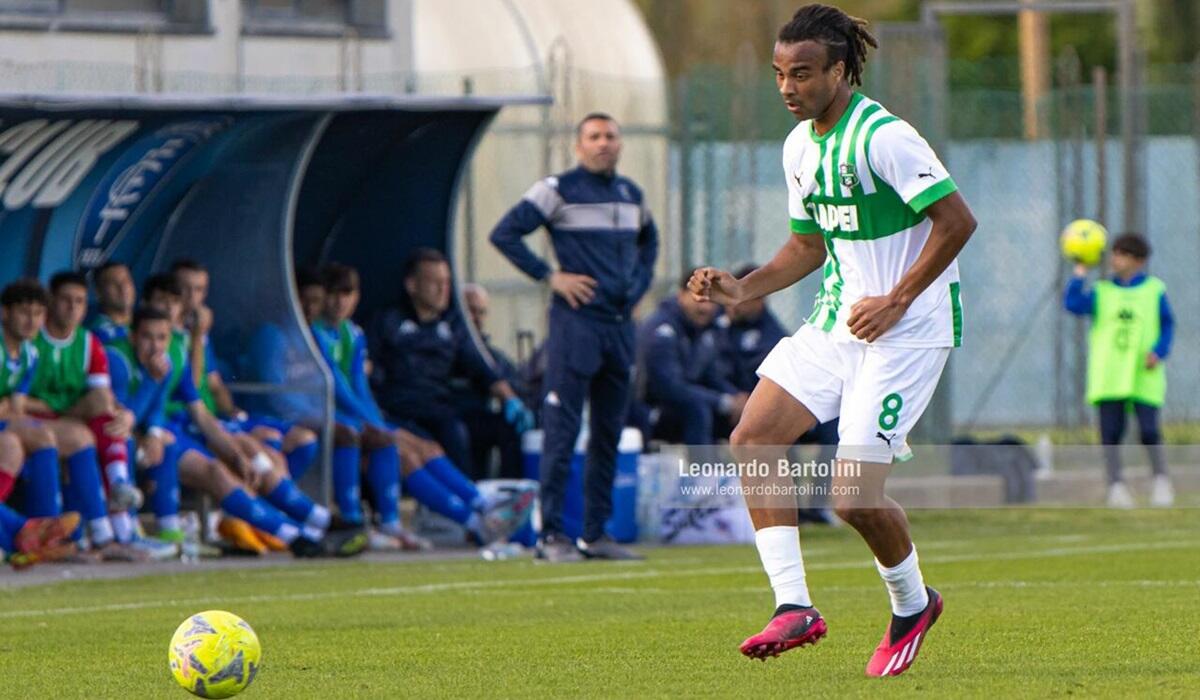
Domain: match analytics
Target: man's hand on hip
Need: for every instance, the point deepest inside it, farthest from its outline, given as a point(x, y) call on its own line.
point(577, 290)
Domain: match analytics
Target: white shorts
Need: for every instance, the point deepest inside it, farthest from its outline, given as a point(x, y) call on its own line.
point(878, 392)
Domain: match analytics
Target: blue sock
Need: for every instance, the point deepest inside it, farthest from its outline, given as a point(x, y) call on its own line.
point(164, 496)
point(435, 495)
point(445, 471)
point(288, 497)
point(346, 491)
point(87, 494)
point(383, 474)
point(43, 492)
point(11, 521)
point(301, 458)
point(6, 541)
point(260, 514)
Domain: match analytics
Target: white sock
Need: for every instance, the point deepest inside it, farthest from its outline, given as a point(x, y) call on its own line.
point(101, 531)
point(391, 527)
point(117, 472)
point(312, 533)
point(169, 522)
point(779, 549)
point(905, 585)
point(122, 526)
point(318, 519)
point(288, 533)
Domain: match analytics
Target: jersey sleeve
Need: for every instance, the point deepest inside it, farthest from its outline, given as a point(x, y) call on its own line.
point(361, 384)
point(118, 377)
point(801, 221)
point(97, 364)
point(27, 379)
point(906, 162)
point(185, 391)
point(210, 358)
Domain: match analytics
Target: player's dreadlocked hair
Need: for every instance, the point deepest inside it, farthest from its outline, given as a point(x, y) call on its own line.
point(846, 38)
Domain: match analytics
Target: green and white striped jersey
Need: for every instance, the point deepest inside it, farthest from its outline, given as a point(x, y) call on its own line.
point(864, 185)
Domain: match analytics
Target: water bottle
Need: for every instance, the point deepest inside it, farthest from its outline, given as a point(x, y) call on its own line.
point(189, 549)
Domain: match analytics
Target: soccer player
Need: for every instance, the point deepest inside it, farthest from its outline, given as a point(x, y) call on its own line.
point(249, 456)
point(22, 314)
point(428, 474)
point(383, 469)
point(874, 209)
point(285, 513)
point(1132, 330)
point(297, 443)
point(115, 297)
point(71, 384)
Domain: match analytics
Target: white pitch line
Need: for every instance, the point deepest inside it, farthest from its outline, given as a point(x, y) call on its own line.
point(581, 578)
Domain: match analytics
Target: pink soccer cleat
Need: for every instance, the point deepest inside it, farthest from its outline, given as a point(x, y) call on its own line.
point(893, 656)
point(789, 628)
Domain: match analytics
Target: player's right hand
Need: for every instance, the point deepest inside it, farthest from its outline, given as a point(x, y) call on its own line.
point(577, 290)
point(711, 284)
point(158, 367)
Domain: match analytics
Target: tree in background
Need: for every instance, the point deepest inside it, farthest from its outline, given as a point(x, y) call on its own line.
point(695, 33)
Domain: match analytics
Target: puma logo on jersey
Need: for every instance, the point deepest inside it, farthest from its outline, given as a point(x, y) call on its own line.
point(923, 175)
point(886, 438)
point(832, 217)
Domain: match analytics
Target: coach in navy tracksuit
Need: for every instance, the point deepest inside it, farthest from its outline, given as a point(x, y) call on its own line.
point(685, 380)
point(606, 244)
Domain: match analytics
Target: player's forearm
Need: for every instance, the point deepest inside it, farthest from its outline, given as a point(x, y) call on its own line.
point(224, 400)
point(794, 261)
point(953, 225)
point(215, 436)
point(196, 360)
point(35, 405)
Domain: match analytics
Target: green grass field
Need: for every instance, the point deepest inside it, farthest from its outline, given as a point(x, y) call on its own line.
point(1038, 603)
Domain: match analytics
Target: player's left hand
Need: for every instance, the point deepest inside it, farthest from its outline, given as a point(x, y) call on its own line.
point(517, 415)
point(121, 424)
point(1152, 360)
point(150, 451)
point(871, 317)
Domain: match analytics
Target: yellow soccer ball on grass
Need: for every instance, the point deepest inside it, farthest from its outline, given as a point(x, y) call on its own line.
point(214, 654)
point(1083, 241)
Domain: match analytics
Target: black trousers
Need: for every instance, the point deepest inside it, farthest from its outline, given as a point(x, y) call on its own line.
point(1113, 415)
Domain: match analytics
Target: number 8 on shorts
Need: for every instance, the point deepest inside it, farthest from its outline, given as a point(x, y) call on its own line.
point(890, 416)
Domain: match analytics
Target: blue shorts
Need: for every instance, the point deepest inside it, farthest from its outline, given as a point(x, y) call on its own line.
point(188, 437)
point(258, 421)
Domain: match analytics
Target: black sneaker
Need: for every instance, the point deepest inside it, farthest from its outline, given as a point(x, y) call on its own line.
point(343, 543)
point(607, 548)
point(337, 524)
point(557, 549)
